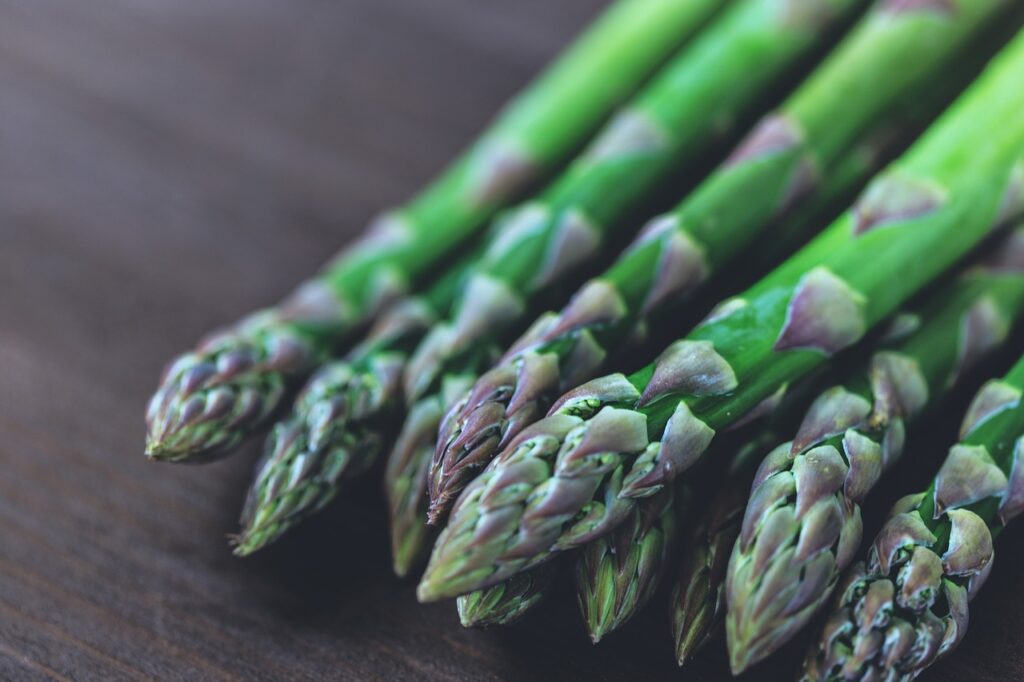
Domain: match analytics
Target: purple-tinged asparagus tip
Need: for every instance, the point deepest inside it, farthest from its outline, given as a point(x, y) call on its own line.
point(476, 439)
point(212, 398)
point(199, 413)
point(500, 404)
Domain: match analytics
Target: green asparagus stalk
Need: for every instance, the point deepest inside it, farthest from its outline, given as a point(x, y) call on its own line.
point(698, 97)
point(212, 397)
point(617, 574)
point(576, 474)
point(892, 59)
point(711, 85)
point(509, 601)
point(803, 521)
point(908, 604)
point(405, 480)
point(334, 431)
point(698, 601)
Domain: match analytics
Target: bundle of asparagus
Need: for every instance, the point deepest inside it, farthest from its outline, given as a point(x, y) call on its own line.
point(211, 398)
point(725, 73)
point(540, 244)
point(879, 312)
point(908, 604)
point(574, 475)
point(893, 58)
point(802, 520)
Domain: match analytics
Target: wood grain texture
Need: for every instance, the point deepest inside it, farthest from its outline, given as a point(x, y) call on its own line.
point(166, 166)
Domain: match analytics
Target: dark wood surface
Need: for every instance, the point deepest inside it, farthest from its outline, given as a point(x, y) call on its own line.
point(165, 166)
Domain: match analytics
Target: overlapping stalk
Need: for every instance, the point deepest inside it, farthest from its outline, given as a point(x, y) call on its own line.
point(617, 574)
point(576, 474)
point(509, 601)
point(212, 397)
point(908, 604)
point(698, 597)
point(419, 435)
point(803, 522)
point(697, 98)
point(703, 93)
point(336, 427)
point(405, 479)
point(894, 59)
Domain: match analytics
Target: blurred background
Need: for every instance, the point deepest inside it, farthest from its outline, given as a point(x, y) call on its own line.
point(166, 166)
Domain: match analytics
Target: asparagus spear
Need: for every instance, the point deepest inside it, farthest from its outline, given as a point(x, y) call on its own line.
point(710, 85)
point(698, 598)
point(405, 481)
point(698, 97)
point(803, 522)
point(893, 58)
point(616, 575)
point(212, 397)
point(509, 601)
point(575, 474)
point(334, 431)
point(908, 605)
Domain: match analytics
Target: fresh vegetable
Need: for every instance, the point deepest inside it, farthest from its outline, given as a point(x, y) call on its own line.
point(210, 398)
point(803, 520)
point(710, 87)
point(575, 475)
point(907, 605)
point(892, 61)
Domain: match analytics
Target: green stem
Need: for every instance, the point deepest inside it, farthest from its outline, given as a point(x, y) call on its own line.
point(765, 193)
point(213, 397)
point(575, 474)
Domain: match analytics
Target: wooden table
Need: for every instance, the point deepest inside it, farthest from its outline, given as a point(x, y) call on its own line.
point(165, 166)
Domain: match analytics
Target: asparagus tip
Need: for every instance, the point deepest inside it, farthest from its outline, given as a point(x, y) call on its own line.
point(741, 656)
point(163, 450)
point(189, 442)
point(434, 587)
point(155, 450)
point(436, 510)
point(409, 542)
point(686, 648)
point(442, 486)
point(247, 542)
point(400, 566)
point(426, 592)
